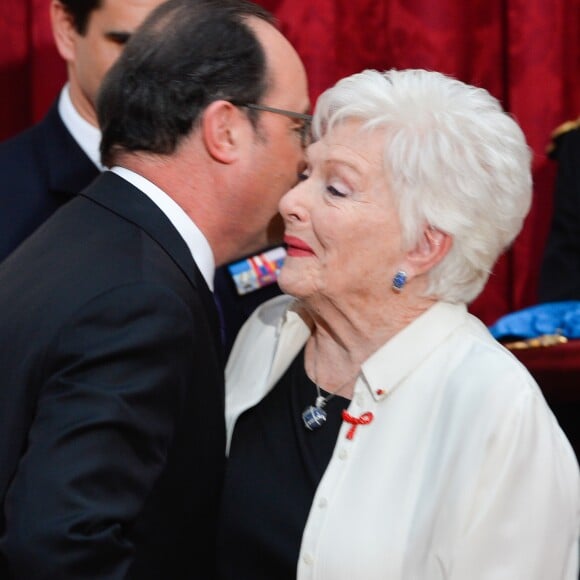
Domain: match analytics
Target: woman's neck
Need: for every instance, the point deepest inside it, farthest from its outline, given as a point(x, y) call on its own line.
point(343, 338)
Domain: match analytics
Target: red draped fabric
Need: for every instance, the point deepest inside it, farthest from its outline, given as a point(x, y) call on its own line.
point(526, 53)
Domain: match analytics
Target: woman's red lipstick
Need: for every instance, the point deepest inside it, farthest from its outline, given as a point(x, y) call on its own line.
point(296, 248)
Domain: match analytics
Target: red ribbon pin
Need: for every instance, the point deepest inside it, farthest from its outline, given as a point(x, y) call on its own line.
point(364, 419)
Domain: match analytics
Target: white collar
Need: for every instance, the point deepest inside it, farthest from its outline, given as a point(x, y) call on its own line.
point(86, 135)
point(192, 235)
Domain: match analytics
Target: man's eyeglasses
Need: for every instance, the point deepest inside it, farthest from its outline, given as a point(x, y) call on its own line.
point(305, 134)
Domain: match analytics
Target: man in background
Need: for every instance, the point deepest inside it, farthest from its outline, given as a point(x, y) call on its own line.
point(112, 434)
point(560, 271)
point(47, 165)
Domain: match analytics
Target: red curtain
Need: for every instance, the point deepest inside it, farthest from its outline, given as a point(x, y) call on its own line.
point(526, 53)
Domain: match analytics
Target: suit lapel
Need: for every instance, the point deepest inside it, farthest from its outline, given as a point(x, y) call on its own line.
point(131, 204)
point(125, 200)
point(121, 197)
point(68, 168)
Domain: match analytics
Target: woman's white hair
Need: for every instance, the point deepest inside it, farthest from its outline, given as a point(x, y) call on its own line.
point(454, 159)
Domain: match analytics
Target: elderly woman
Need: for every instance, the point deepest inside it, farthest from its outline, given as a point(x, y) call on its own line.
point(377, 430)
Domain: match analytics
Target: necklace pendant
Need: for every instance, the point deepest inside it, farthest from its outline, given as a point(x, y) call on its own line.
point(314, 417)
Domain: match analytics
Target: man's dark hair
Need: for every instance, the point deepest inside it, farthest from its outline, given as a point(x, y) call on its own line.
point(81, 10)
point(186, 55)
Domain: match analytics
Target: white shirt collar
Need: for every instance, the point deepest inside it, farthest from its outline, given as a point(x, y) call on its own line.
point(86, 135)
point(194, 238)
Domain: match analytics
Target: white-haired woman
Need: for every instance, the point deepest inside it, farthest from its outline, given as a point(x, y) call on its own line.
point(377, 430)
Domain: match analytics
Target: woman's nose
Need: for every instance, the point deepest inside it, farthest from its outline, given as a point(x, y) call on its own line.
point(291, 203)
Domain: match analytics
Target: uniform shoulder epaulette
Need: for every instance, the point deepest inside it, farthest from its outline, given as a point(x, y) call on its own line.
point(559, 131)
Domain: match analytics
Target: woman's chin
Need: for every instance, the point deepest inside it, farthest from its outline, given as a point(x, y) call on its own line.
point(292, 283)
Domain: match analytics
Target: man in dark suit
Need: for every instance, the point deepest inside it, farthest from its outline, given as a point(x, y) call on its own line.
point(48, 164)
point(560, 271)
point(112, 433)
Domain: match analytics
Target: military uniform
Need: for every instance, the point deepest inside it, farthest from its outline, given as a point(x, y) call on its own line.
point(560, 269)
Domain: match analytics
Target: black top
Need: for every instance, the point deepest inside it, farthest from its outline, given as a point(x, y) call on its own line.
point(273, 471)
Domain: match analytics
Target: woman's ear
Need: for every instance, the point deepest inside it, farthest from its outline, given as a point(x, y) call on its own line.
point(223, 128)
point(430, 250)
point(63, 30)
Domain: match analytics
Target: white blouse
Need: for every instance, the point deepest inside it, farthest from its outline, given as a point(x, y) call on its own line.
point(463, 472)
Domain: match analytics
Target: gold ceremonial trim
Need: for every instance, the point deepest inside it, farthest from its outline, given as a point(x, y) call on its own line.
point(560, 130)
point(543, 340)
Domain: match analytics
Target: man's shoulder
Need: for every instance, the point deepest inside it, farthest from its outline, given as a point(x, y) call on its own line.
point(31, 143)
point(566, 135)
point(42, 167)
point(44, 157)
point(22, 143)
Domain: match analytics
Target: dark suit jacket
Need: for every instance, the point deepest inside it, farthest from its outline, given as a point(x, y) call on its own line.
point(560, 271)
point(43, 167)
point(40, 169)
point(112, 434)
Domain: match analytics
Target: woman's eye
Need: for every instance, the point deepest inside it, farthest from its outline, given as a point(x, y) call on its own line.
point(335, 192)
point(302, 176)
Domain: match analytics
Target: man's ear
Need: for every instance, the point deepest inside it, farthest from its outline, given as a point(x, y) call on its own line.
point(63, 30)
point(430, 250)
point(223, 127)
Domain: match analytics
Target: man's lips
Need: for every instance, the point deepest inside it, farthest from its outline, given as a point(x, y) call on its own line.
point(296, 247)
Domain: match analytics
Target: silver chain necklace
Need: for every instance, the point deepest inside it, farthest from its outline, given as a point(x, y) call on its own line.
point(314, 416)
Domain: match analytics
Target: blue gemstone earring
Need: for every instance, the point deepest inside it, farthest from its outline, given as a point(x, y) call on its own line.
point(399, 280)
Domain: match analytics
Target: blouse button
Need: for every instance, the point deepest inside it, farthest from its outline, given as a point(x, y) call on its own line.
point(322, 503)
point(308, 559)
point(342, 454)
